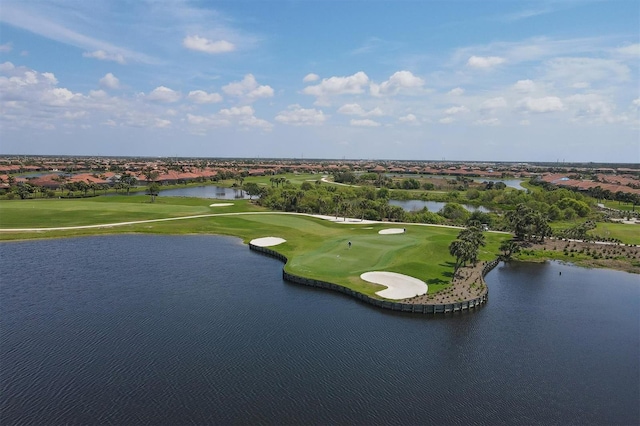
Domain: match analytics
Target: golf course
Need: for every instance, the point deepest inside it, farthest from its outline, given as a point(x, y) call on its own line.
point(316, 248)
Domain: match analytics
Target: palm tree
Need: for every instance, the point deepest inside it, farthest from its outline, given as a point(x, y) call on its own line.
point(508, 248)
point(337, 200)
point(463, 251)
point(128, 180)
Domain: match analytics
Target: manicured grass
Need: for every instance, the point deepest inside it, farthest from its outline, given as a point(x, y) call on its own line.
point(616, 205)
point(628, 234)
point(316, 248)
point(89, 211)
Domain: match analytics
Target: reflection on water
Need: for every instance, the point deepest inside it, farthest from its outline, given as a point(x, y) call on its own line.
point(208, 191)
point(432, 206)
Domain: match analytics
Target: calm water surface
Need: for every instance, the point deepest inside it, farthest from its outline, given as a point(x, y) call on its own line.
point(432, 206)
point(206, 191)
point(198, 330)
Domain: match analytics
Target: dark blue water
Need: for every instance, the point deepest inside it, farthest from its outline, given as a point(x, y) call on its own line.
point(207, 191)
point(199, 330)
point(432, 206)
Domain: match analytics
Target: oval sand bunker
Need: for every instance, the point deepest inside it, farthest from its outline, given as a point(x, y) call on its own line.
point(220, 204)
point(399, 286)
point(267, 241)
point(391, 231)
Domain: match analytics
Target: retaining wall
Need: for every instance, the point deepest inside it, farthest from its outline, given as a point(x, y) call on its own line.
point(385, 304)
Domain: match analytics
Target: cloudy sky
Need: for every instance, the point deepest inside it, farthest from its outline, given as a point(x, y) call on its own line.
point(424, 80)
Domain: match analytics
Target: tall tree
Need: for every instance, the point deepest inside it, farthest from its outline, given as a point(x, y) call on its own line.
point(463, 252)
point(128, 180)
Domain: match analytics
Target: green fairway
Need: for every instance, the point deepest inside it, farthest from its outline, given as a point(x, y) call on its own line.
point(628, 234)
point(316, 248)
point(89, 211)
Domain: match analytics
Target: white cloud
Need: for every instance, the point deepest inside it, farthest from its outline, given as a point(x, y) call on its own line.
point(533, 49)
point(202, 44)
point(59, 96)
point(493, 103)
point(350, 85)
point(53, 21)
point(202, 97)
point(630, 50)
point(456, 92)
point(163, 94)
point(207, 121)
point(248, 89)
point(256, 122)
point(295, 115)
point(364, 123)
point(109, 81)
point(162, 123)
point(586, 70)
point(446, 120)
point(485, 62)
point(409, 119)
point(580, 85)
point(104, 56)
point(397, 82)
point(487, 122)
point(593, 108)
point(541, 105)
point(74, 115)
point(6, 47)
point(6, 66)
point(355, 109)
point(98, 94)
point(237, 111)
point(525, 86)
point(636, 102)
point(311, 77)
point(50, 77)
point(244, 116)
point(456, 110)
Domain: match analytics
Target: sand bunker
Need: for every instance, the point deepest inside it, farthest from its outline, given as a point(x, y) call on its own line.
point(267, 241)
point(220, 204)
point(391, 231)
point(399, 286)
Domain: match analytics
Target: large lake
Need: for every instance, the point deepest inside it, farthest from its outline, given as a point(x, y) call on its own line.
point(137, 329)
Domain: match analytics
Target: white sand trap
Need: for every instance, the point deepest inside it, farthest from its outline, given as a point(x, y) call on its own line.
point(391, 231)
point(267, 241)
point(220, 204)
point(399, 286)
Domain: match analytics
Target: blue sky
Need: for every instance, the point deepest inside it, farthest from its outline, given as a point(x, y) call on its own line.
point(421, 80)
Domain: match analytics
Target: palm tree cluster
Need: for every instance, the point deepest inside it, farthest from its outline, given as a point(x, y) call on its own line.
point(467, 246)
point(528, 224)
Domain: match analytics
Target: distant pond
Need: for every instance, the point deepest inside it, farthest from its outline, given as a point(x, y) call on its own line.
point(511, 183)
point(209, 191)
point(432, 206)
